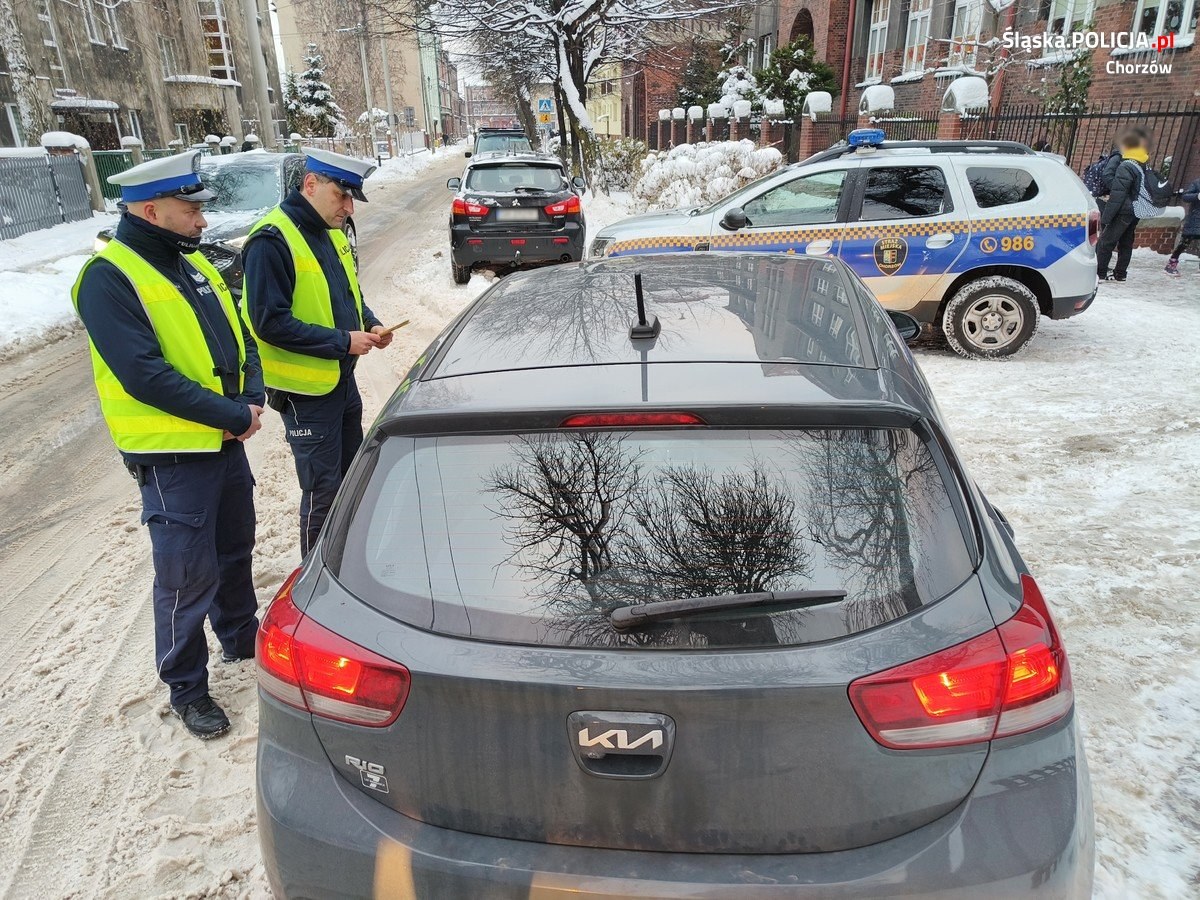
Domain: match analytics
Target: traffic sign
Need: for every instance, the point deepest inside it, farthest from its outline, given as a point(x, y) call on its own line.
point(544, 118)
point(545, 105)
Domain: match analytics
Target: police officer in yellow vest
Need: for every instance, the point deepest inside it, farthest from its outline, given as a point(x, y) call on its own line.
point(180, 389)
point(305, 308)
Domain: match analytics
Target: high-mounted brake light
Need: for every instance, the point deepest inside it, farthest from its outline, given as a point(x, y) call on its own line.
point(463, 207)
point(564, 207)
point(1007, 681)
point(307, 666)
point(630, 420)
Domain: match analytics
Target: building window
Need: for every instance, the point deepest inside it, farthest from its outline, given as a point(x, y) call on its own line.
point(14, 124)
point(216, 39)
point(1066, 16)
point(168, 52)
point(877, 39)
point(750, 57)
point(91, 21)
point(1155, 17)
point(917, 38)
point(181, 131)
point(764, 50)
point(964, 33)
point(135, 124)
point(606, 87)
point(114, 25)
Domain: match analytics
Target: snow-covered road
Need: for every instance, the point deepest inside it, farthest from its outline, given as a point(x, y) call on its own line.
point(1089, 442)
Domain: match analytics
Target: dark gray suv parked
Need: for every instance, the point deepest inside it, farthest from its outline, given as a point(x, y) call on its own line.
point(689, 600)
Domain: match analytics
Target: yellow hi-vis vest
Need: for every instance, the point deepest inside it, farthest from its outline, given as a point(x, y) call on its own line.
point(138, 427)
point(285, 370)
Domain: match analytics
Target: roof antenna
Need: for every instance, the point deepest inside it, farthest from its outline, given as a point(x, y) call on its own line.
point(643, 329)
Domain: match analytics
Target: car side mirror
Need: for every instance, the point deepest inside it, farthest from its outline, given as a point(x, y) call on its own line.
point(467, 154)
point(734, 219)
point(454, 183)
point(579, 182)
point(907, 327)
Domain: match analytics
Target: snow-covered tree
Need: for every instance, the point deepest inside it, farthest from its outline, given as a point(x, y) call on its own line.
point(314, 111)
point(698, 86)
point(575, 36)
point(291, 103)
point(31, 109)
point(791, 73)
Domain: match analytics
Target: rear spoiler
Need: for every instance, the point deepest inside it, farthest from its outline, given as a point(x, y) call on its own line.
point(825, 415)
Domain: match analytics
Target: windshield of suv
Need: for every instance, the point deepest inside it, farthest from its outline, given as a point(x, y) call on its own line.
point(513, 177)
point(503, 143)
point(242, 187)
point(537, 538)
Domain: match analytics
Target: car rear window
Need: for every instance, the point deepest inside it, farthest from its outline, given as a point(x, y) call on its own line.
point(502, 143)
point(536, 538)
point(994, 186)
point(514, 177)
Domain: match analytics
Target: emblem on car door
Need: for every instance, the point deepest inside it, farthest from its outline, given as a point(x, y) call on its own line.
point(621, 744)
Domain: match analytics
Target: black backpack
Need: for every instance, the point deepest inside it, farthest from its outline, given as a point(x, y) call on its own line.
point(1158, 187)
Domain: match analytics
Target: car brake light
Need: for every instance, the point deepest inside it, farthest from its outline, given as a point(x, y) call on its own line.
point(307, 666)
point(564, 207)
point(634, 420)
point(466, 208)
point(1007, 681)
point(1093, 227)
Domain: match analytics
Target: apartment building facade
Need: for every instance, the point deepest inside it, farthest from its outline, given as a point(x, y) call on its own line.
point(168, 72)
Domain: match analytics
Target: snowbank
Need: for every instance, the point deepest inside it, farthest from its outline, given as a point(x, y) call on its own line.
point(35, 307)
point(694, 174)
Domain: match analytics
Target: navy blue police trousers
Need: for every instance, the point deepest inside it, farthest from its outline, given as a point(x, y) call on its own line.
point(324, 434)
point(200, 514)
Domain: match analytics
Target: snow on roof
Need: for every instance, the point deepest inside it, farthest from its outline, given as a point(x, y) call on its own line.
point(201, 79)
point(877, 98)
point(965, 94)
point(64, 139)
point(83, 103)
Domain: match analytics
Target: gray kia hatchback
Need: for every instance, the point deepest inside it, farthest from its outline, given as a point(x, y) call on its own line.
point(661, 577)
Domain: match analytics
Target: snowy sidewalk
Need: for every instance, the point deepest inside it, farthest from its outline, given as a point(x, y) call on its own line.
point(37, 271)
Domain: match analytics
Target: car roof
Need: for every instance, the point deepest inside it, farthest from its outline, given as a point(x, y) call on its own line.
point(494, 157)
point(752, 308)
point(249, 158)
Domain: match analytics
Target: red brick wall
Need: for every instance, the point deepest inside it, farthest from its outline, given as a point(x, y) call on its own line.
point(1158, 239)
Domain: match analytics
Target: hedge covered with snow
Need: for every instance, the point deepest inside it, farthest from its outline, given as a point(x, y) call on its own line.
point(696, 174)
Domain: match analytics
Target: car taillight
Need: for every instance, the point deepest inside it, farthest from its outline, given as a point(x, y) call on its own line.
point(564, 207)
point(630, 420)
point(466, 208)
point(307, 666)
point(1093, 227)
point(1006, 681)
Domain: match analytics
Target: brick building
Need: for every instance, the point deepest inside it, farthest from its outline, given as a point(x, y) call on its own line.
point(486, 109)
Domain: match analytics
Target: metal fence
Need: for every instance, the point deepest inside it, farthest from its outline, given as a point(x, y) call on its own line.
point(111, 162)
point(157, 154)
point(40, 192)
point(908, 128)
point(827, 131)
point(1083, 137)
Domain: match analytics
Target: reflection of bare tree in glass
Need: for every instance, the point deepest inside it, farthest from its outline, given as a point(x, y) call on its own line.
point(566, 497)
point(861, 509)
point(594, 536)
point(700, 535)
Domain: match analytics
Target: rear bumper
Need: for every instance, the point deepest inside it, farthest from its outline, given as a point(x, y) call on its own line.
point(476, 248)
point(1025, 832)
point(1065, 307)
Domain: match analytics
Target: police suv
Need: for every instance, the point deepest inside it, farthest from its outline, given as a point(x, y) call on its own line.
point(979, 237)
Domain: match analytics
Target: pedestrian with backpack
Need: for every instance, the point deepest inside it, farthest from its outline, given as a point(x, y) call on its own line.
point(1190, 236)
point(1118, 221)
point(1098, 177)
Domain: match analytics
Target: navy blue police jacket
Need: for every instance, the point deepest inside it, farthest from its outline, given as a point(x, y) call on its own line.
point(121, 330)
point(271, 279)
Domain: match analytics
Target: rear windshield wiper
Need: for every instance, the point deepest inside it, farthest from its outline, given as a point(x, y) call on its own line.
point(626, 618)
point(530, 189)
